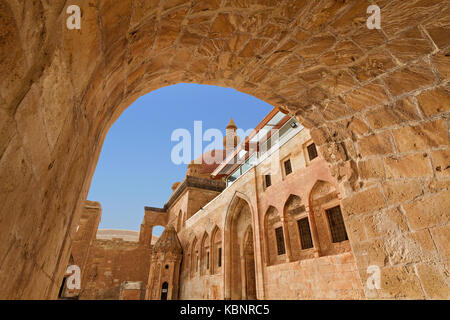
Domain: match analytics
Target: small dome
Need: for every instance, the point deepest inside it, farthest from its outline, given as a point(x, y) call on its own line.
point(210, 160)
point(168, 242)
point(175, 185)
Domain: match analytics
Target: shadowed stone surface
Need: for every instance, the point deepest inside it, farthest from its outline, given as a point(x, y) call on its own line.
point(62, 89)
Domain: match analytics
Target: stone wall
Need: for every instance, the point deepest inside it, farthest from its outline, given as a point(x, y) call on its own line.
point(86, 233)
point(131, 290)
point(325, 272)
point(376, 101)
point(110, 263)
point(206, 287)
point(131, 295)
point(329, 277)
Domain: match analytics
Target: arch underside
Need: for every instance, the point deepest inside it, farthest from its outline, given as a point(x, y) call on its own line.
point(376, 101)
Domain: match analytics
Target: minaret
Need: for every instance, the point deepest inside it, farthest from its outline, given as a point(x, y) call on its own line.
point(231, 139)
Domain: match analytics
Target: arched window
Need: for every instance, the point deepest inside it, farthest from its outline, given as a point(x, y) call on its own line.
point(298, 228)
point(205, 255)
point(331, 231)
point(273, 231)
point(216, 250)
point(194, 257)
point(156, 233)
point(186, 260)
point(179, 220)
point(164, 290)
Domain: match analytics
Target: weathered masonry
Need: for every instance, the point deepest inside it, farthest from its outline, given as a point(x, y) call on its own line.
point(265, 222)
point(376, 102)
point(230, 234)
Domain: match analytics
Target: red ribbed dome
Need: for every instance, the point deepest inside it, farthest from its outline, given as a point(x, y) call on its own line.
point(210, 160)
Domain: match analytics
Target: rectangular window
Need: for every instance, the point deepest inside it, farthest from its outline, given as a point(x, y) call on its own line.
point(287, 167)
point(219, 257)
point(236, 174)
point(337, 225)
point(305, 233)
point(207, 260)
point(280, 240)
point(312, 151)
point(268, 180)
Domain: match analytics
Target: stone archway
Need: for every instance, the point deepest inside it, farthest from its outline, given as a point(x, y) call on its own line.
point(376, 101)
point(164, 289)
point(240, 277)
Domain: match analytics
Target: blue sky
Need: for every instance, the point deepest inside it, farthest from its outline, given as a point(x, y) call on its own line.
point(135, 167)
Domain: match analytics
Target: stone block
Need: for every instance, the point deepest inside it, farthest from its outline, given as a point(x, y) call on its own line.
point(441, 162)
point(364, 201)
point(369, 95)
point(410, 247)
point(441, 237)
point(435, 101)
point(371, 169)
point(388, 222)
point(222, 26)
point(355, 229)
point(115, 19)
point(387, 116)
point(338, 83)
point(372, 252)
point(401, 191)
point(421, 137)
point(376, 144)
point(432, 185)
point(316, 46)
point(442, 62)
point(439, 33)
point(410, 45)
point(345, 52)
point(376, 63)
point(399, 282)
point(409, 166)
point(357, 125)
point(434, 280)
point(409, 78)
point(428, 211)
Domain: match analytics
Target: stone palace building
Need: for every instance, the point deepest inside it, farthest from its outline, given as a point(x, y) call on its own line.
point(264, 222)
point(374, 99)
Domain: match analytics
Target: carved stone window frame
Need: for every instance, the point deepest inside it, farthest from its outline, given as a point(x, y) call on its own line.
point(306, 153)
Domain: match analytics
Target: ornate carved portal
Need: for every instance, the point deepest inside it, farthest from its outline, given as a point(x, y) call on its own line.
point(163, 280)
point(242, 277)
point(249, 291)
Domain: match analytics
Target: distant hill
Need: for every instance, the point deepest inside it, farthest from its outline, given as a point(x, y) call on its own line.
point(125, 235)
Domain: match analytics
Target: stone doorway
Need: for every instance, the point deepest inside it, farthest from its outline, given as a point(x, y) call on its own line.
point(248, 258)
point(240, 262)
point(164, 289)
